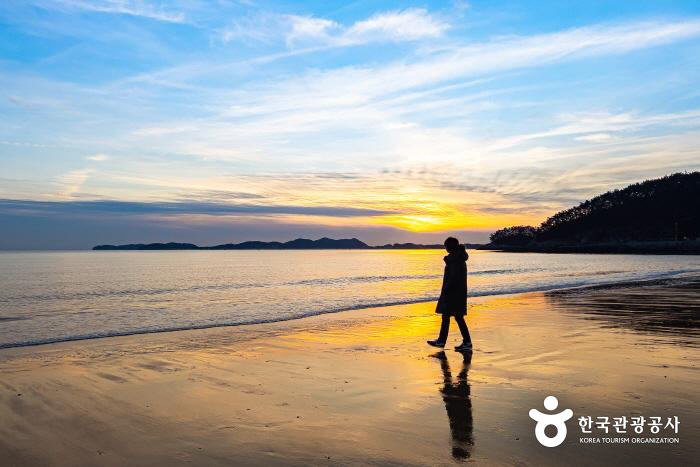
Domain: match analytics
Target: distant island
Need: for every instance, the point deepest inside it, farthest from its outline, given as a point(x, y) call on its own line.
point(659, 216)
point(298, 244)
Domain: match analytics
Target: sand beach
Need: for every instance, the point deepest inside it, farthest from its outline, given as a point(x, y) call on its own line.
point(362, 388)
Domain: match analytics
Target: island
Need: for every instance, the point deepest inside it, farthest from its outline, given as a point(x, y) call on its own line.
point(659, 216)
point(298, 244)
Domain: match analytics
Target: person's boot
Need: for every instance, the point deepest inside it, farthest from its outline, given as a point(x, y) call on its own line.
point(464, 347)
point(436, 343)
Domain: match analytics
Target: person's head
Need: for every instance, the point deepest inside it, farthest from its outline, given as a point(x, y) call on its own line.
point(453, 246)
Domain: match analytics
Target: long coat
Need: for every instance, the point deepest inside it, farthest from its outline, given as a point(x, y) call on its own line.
point(453, 296)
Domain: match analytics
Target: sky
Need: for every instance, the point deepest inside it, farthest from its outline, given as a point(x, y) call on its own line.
point(129, 121)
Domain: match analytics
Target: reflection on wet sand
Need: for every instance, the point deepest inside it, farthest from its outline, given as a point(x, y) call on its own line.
point(456, 395)
point(666, 308)
point(357, 389)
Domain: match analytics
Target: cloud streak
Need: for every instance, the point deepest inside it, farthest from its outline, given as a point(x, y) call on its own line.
point(403, 25)
point(98, 157)
point(72, 182)
point(87, 208)
point(410, 24)
point(137, 8)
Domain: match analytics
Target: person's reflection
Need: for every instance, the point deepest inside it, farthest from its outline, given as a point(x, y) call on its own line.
point(458, 404)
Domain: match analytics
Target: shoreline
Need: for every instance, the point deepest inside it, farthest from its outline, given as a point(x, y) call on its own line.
point(659, 279)
point(665, 247)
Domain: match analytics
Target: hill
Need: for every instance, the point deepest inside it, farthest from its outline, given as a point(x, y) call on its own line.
point(298, 244)
point(653, 216)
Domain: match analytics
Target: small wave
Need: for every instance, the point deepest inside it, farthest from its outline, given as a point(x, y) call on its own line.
point(643, 280)
point(353, 279)
point(502, 271)
point(88, 295)
point(680, 278)
point(589, 274)
point(203, 288)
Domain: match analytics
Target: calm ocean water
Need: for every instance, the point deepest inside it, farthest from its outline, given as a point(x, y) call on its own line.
point(56, 296)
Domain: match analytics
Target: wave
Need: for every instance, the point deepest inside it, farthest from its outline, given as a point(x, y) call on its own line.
point(643, 280)
point(203, 288)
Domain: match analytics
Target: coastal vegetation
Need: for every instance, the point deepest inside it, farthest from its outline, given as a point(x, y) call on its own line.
point(654, 216)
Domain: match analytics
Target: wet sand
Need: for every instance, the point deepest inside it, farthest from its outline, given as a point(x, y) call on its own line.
point(362, 388)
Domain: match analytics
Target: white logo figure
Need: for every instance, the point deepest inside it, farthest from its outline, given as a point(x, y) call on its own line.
point(557, 419)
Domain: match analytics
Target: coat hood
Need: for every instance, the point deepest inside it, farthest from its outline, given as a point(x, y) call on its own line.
point(458, 256)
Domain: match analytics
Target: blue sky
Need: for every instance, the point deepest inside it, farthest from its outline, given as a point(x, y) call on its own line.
point(215, 121)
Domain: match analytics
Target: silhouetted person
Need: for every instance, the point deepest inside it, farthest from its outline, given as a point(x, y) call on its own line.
point(458, 404)
point(453, 297)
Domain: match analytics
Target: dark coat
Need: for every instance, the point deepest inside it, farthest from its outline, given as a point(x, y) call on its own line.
point(453, 296)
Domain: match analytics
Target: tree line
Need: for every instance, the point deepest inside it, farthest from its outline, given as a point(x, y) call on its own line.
point(662, 209)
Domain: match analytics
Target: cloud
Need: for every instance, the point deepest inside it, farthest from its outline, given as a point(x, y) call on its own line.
point(308, 27)
point(72, 182)
point(83, 208)
point(218, 195)
point(161, 131)
point(139, 8)
point(258, 28)
point(596, 137)
point(595, 123)
point(98, 157)
point(317, 91)
point(395, 26)
point(403, 25)
point(24, 144)
point(272, 121)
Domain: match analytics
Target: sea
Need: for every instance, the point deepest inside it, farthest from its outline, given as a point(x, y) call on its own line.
point(56, 296)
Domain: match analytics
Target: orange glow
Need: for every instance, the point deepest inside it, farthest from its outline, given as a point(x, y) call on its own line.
point(402, 202)
point(453, 220)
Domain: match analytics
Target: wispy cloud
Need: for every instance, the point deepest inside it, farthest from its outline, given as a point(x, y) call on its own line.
point(308, 27)
point(82, 208)
point(360, 84)
point(391, 103)
point(72, 182)
point(596, 137)
point(398, 26)
point(402, 25)
point(98, 157)
point(139, 8)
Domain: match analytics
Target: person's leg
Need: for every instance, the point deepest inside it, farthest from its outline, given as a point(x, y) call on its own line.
point(463, 329)
point(444, 328)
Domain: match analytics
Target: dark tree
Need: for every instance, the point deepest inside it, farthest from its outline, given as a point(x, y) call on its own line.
point(665, 211)
point(666, 208)
point(519, 235)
